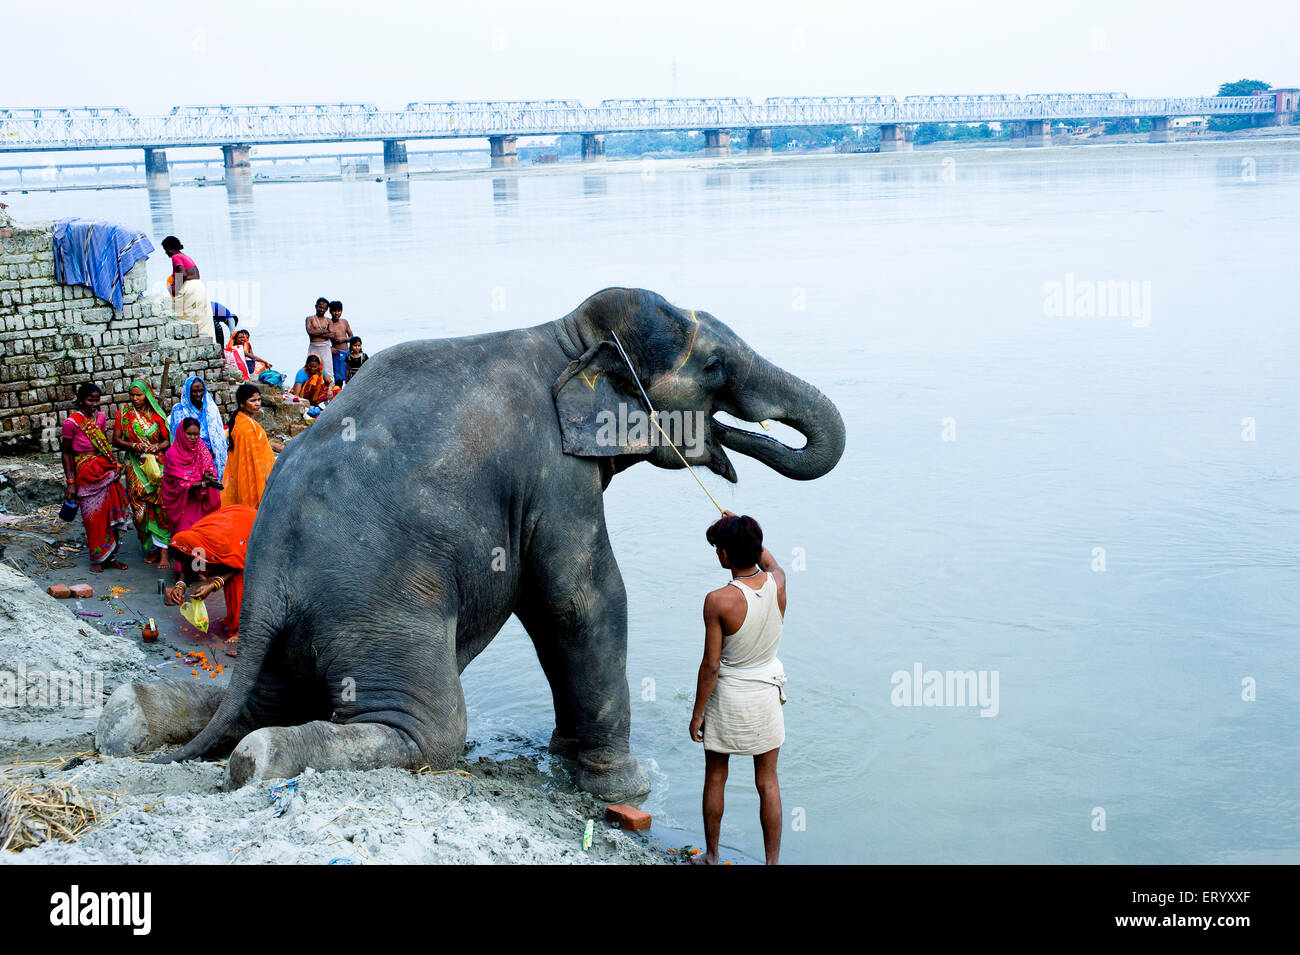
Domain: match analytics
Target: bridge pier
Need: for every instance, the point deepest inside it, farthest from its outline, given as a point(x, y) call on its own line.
point(1161, 130)
point(895, 138)
point(1032, 132)
point(503, 151)
point(238, 167)
point(156, 174)
point(760, 142)
point(1038, 133)
point(1286, 103)
point(593, 147)
point(395, 165)
point(717, 142)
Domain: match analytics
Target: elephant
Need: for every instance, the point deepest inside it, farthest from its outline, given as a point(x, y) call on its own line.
point(452, 483)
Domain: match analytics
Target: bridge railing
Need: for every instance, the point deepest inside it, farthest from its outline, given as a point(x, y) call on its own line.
point(29, 130)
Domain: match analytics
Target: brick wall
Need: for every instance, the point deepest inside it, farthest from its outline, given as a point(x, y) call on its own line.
point(54, 337)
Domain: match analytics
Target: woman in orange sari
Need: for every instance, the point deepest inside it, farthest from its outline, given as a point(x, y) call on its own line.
point(94, 478)
point(252, 454)
point(211, 555)
point(140, 431)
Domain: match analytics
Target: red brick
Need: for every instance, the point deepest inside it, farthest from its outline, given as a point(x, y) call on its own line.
point(59, 590)
point(82, 591)
point(628, 817)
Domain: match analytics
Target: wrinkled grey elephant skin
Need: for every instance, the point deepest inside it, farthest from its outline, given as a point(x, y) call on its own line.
point(454, 483)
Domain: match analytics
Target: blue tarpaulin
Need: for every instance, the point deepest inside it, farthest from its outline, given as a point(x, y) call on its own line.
point(97, 254)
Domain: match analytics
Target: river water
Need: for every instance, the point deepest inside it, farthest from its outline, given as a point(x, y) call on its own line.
point(1097, 507)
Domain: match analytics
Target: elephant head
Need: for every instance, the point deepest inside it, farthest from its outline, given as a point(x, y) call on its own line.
point(691, 366)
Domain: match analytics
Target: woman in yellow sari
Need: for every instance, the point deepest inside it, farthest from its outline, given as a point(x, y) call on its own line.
point(252, 454)
point(140, 431)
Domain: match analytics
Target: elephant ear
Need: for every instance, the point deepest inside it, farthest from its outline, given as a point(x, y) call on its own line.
point(595, 397)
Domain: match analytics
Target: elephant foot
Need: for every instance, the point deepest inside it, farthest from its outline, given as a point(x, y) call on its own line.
point(611, 776)
point(142, 717)
point(282, 752)
point(561, 745)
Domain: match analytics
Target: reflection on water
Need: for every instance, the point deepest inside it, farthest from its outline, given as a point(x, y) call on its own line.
point(160, 211)
point(239, 201)
point(505, 193)
point(993, 448)
point(397, 190)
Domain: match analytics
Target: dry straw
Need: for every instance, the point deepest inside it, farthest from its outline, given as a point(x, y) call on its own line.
point(34, 811)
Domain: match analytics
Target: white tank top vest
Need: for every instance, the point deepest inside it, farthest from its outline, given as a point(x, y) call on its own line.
point(758, 638)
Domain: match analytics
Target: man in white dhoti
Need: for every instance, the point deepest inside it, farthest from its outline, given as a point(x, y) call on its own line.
point(739, 695)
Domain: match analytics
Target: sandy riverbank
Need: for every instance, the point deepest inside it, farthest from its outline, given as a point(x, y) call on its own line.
point(521, 810)
point(481, 812)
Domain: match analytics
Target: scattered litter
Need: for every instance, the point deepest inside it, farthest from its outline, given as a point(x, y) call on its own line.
point(342, 860)
point(280, 796)
point(587, 834)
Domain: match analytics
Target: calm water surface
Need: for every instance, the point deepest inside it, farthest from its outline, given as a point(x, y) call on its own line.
point(913, 293)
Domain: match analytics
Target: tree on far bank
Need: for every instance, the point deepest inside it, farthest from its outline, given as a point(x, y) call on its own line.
point(1243, 88)
point(1224, 124)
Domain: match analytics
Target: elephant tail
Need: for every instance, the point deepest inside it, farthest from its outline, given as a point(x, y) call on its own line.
point(258, 632)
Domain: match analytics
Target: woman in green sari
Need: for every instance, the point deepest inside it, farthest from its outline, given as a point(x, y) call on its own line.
point(141, 432)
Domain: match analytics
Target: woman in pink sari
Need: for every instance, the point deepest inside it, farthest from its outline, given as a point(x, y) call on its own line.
point(190, 487)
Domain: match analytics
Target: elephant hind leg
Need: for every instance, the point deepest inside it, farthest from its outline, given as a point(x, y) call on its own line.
point(281, 752)
point(396, 698)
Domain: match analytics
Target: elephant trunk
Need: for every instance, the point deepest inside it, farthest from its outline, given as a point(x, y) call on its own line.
point(769, 393)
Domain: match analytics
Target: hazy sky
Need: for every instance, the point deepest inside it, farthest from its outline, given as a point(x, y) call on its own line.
point(151, 56)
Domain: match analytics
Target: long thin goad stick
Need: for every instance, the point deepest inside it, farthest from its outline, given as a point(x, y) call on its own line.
point(654, 418)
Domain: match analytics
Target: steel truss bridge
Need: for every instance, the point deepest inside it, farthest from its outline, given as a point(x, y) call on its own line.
point(58, 129)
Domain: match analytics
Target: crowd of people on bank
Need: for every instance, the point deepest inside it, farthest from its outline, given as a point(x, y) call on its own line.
point(188, 481)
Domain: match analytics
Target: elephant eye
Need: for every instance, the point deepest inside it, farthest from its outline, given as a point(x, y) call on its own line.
point(713, 364)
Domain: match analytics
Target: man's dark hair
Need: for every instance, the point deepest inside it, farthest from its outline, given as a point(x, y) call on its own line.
point(336, 306)
point(323, 299)
point(740, 537)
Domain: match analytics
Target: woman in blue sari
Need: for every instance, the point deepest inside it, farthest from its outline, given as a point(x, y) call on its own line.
point(197, 403)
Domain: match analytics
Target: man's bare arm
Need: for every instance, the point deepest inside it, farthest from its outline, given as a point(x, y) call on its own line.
point(768, 563)
point(707, 679)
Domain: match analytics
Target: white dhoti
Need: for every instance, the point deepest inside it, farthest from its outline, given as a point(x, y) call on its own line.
point(193, 306)
point(323, 351)
point(743, 715)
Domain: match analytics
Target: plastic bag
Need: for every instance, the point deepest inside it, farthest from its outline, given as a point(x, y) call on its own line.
point(196, 612)
point(151, 468)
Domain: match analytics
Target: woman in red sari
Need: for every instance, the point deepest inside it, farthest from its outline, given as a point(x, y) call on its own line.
point(141, 432)
point(211, 554)
point(94, 478)
point(190, 488)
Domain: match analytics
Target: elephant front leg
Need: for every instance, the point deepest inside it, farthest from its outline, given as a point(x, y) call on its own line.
point(578, 621)
point(142, 717)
